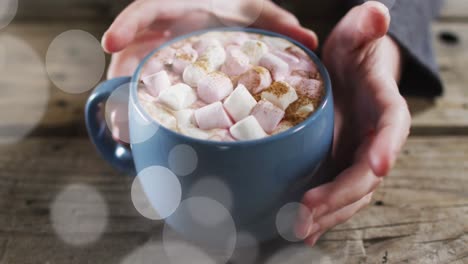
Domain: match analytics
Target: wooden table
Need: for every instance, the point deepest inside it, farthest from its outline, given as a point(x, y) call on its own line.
point(419, 214)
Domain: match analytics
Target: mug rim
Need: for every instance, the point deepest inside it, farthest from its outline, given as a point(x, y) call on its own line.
point(287, 133)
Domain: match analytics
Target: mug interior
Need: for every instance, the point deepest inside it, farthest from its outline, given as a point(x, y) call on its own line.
point(309, 121)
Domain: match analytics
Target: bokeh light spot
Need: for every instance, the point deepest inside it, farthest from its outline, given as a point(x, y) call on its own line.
point(286, 218)
point(183, 160)
point(8, 9)
point(156, 192)
point(24, 89)
point(79, 215)
point(213, 188)
point(75, 61)
point(234, 13)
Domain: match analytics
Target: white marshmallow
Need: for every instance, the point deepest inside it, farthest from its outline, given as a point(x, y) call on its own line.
point(185, 118)
point(279, 69)
point(256, 79)
point(236, 62)
point(201, 45)
point(255, 50)
point(212, 116)
point(195, 132)
point(280, 94)
point(161, 115)
point(247, 129)
point(277, 43)
point(215, 56)
point(156, 83)
point(240, 103)
point(283, 126)
point(193, 73)
point(305, 109)
point(178, 97)
point(184, 57)
point(214, 87)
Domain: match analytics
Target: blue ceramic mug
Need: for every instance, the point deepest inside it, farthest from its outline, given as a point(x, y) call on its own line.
point(262, 175)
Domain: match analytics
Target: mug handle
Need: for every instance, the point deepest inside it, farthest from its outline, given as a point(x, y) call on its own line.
point(117, 154)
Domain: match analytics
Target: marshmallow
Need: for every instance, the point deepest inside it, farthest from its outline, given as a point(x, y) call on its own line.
point(278, 68)
point(236, 62)
point(178, 97)
point(161, 115)
point(286, 57)
point(283, 126)
point(156, 83)
point(268, 115)
point(310, 88)
point(238, 38)
point(212, 116)
point(201, 45)
point(280, 94)
point(240, 103)
point(277, 43)
point(166, 56)
point(300, 110)
point(195, 132)
point(220, 135)
point(255, 50)
point(214, 56)
point(214, 87)
point(195, 72)
point(184, 57)
point(150, 67)
point(185, 118)
point(256, 79)
point(247, 129)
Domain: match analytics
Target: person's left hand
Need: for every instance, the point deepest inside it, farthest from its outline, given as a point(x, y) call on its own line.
point(372, 118)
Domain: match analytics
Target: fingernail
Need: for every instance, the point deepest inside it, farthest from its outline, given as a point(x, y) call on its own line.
point(314, 239)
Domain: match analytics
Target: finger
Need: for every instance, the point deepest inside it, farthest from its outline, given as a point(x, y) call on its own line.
point(350, 186)
point(392, 131)
point(333, 219)
point(140, 15)
point(362, 25)
point(277, 19)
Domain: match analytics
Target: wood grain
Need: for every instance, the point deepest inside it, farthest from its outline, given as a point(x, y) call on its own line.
point(419, 213)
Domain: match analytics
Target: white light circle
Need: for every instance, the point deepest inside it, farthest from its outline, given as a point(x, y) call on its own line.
point(182, 252)
point(216, 234)
point(286, 219)
point(8, 9)
point(156, 192)
point(75, 61)
point(147, 254)
point(183, 160)
point(24, 89)
point(214, 189)
point(79, 215)
point(247, 249)
point(233, 13)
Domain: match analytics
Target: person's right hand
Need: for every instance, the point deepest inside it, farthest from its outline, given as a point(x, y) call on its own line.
point(146, 24)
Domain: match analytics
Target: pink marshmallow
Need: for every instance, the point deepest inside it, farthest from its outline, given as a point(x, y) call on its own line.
point(212, 116)
point(184, 57)
point(279, 69)
point(256, 79)
point(307, 87)
point(236, 62)
point(214, 87)
point(287, 57)
point(157, 82)
point(268, 115)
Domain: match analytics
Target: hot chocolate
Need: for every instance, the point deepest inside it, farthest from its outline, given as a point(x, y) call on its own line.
point(228, 86)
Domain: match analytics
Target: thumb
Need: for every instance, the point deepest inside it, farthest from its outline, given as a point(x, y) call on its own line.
point(362, 25)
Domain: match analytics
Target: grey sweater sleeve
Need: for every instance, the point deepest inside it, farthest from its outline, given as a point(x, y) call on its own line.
point(410, 27)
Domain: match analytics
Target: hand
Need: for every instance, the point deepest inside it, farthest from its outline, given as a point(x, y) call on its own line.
point(146, 24)
point(372, 118)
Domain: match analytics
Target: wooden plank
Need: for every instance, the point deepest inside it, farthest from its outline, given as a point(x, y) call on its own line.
point(454, 10)
point(447, 114)
point(419, 213)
